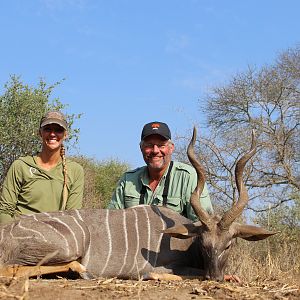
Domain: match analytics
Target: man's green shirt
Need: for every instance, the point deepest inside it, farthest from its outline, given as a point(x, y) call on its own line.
point(183, 180)
point(29, 189)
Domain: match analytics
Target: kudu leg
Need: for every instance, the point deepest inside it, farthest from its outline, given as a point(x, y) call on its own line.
point(30, 271)
point(172, 277)
point(166, 276)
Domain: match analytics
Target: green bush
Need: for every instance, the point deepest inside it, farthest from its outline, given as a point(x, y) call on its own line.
point(101, 179)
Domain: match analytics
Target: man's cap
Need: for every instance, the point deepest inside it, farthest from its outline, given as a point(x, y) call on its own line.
point(159, 128)
point(54, 117)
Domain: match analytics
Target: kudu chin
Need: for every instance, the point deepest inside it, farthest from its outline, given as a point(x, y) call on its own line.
point(148, 242)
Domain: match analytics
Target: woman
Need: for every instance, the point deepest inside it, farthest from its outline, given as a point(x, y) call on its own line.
point(44, 182)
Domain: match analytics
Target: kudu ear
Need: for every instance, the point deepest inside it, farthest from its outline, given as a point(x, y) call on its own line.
point(250, 232)
point(184, 231)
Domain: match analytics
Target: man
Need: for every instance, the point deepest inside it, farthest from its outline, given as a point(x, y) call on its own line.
point(162, 181)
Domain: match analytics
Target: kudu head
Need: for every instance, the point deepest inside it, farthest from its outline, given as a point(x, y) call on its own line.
point(216, 233)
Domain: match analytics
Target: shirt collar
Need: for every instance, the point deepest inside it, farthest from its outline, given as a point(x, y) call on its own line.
point(145, 176)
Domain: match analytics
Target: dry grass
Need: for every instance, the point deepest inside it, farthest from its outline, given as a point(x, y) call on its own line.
point(276, 258)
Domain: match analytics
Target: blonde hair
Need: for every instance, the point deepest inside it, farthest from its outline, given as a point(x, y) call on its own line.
point(65, 173)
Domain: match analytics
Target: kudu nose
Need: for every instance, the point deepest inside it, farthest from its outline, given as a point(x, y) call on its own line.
point(215, 277)
point(214, 271)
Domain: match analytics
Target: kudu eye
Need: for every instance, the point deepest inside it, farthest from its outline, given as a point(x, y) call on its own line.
point(225, 249)
point(228, 246)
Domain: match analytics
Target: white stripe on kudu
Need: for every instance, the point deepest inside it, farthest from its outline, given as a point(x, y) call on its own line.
point(135, 261)
point(71, 231)
point(163, 225)
point(78, 214)
point(126, 242)
point(109, 242)
point(63, 237)
point(81, 229)
point(29, 232)
point(148, 236)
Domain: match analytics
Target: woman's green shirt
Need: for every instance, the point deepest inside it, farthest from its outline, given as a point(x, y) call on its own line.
point(29, 189)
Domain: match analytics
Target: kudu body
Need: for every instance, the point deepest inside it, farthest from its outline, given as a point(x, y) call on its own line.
point(134, 242)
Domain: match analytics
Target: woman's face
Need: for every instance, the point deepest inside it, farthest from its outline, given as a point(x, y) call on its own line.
point(52, 136)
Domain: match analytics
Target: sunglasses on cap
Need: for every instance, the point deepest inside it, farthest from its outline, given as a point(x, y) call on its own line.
point(56, 129)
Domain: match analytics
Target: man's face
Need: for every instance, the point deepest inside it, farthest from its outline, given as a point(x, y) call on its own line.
point(157, 151)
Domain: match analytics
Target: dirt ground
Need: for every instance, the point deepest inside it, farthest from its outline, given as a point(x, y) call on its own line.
point(49, 289)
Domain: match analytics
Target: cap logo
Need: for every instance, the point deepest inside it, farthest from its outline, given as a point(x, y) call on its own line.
point(155, 126)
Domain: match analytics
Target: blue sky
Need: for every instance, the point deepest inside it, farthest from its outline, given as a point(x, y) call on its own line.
point(127, 63)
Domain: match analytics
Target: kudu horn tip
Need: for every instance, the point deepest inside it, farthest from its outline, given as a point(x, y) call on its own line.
point(194, 131)
point(190, 148)
point(253, 142)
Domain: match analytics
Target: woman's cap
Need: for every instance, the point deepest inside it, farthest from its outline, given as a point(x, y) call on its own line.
point(54, 117)
point(159, 128)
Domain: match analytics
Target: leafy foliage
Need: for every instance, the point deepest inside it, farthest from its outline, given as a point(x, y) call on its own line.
point(100, 180)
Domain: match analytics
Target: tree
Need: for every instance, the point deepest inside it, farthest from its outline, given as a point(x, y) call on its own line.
point(101, 179)
point(266, 100)
point(21, 108)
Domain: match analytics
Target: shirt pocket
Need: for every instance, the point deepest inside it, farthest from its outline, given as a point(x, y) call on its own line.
point(175, 204)
point(132, 200)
